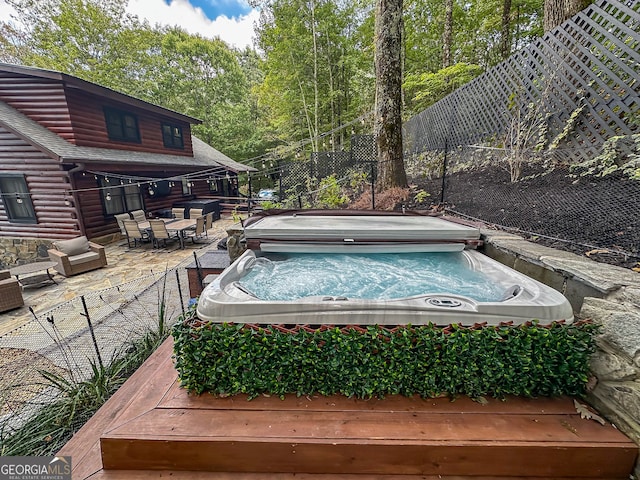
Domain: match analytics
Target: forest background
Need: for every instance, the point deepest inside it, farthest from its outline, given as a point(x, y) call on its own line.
point(309, 80)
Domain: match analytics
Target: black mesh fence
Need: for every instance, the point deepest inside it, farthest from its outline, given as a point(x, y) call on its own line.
point(300, 178)
point(580, 213)
point(71, 340)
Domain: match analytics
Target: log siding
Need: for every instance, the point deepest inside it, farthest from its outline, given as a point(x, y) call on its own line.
point(78, 116)
point(40, 99)
point(90, 129)
point(48, 186)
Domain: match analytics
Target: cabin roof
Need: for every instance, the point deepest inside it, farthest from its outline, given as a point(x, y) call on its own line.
point(204, 155)
point(70, 81)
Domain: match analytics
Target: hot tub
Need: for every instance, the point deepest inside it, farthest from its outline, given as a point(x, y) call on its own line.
point(422, 248)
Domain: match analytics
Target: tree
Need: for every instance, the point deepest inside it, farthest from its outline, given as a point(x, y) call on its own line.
point(97, 41)
point(557, 11)
point(314, 68)
point(425, 89)
point(447, 34)
point(505, 34)
point(388, 111)
point(92, 39)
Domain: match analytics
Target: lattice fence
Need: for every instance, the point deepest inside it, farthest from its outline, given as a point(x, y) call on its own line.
point(589, 67)
point(548, 141)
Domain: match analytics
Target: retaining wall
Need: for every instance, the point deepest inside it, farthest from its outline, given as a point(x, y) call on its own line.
point(606, 294)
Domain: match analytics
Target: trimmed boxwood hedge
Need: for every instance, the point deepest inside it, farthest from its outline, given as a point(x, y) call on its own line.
point(526, 360)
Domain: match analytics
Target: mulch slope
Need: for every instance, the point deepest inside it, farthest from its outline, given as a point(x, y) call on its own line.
point(597, 217)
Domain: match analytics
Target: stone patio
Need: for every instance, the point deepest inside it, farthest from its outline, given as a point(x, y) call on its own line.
point(124, 264)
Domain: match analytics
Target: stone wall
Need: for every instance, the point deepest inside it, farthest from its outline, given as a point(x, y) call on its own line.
point(603, 293)
point(236, 245)
point(18, 251)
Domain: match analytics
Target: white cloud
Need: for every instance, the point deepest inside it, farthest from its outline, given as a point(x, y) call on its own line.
point(237, 32)
point(5, 11)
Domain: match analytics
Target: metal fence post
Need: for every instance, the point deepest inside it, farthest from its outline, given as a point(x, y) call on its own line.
point(444, 171)
point(93, 335)
point(180, 291)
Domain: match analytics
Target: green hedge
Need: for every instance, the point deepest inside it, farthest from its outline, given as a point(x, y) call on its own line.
point(527, 360)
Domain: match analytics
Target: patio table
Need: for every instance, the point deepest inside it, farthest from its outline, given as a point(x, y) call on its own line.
point(37, 280)
point(172, 224)
point(181, 226)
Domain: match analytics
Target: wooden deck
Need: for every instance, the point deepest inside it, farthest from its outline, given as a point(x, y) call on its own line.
point(151, 428)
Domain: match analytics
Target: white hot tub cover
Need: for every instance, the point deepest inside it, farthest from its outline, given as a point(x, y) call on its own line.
point(296, 231)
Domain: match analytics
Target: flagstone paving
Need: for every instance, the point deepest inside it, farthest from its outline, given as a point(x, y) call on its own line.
point(124, 264)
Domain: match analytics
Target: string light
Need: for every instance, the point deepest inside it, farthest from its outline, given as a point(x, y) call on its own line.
point(108, 197)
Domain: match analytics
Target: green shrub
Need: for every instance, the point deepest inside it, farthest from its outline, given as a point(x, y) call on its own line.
point(527, 360)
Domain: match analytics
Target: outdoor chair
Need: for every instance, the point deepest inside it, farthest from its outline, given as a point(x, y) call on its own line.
point(208, 223)
point(159, 232)
point(10, 292)
point(197, 232)
point(177, 213)
point(139, 216)
point(77, 255)
point(135, 233)
point(120, 218)
point(195, 212)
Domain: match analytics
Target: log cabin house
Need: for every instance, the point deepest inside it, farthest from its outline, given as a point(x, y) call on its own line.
point(73, 154)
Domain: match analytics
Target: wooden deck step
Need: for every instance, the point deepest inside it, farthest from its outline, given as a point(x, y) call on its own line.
point(151, 428)
point(194, 475)
point(393, 436)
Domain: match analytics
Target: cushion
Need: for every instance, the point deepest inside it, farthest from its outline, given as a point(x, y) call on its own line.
point(75, 246)
point(83, 258)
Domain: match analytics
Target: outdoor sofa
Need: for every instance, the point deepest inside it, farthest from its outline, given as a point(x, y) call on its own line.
point(76, 256)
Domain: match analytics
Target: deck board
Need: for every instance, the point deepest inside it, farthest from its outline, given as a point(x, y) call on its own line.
point(152, 428)
point(367, 427)
point(178, 397)
point(194, 475)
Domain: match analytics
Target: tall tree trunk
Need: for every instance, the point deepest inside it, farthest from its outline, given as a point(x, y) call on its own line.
point(316, 97)
point(447, 34)
point(388, 117)
point(557, 11)
point(505, 47)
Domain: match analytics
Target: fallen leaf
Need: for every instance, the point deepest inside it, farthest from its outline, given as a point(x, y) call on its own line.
point(587, 414)
point(569, 427)
point(481, 400)
point(595, 251)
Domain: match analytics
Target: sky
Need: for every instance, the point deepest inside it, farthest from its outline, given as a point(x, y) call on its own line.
point(231, 20)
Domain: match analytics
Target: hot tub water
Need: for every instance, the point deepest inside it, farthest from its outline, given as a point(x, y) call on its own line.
point(383, 276)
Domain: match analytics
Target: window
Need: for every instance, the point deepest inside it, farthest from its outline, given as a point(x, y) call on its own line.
point(121, 125)
point(120, 198)
point(17, 199)
point(172, 136)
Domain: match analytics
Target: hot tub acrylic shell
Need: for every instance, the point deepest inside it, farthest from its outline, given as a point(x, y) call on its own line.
point(525, 300)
